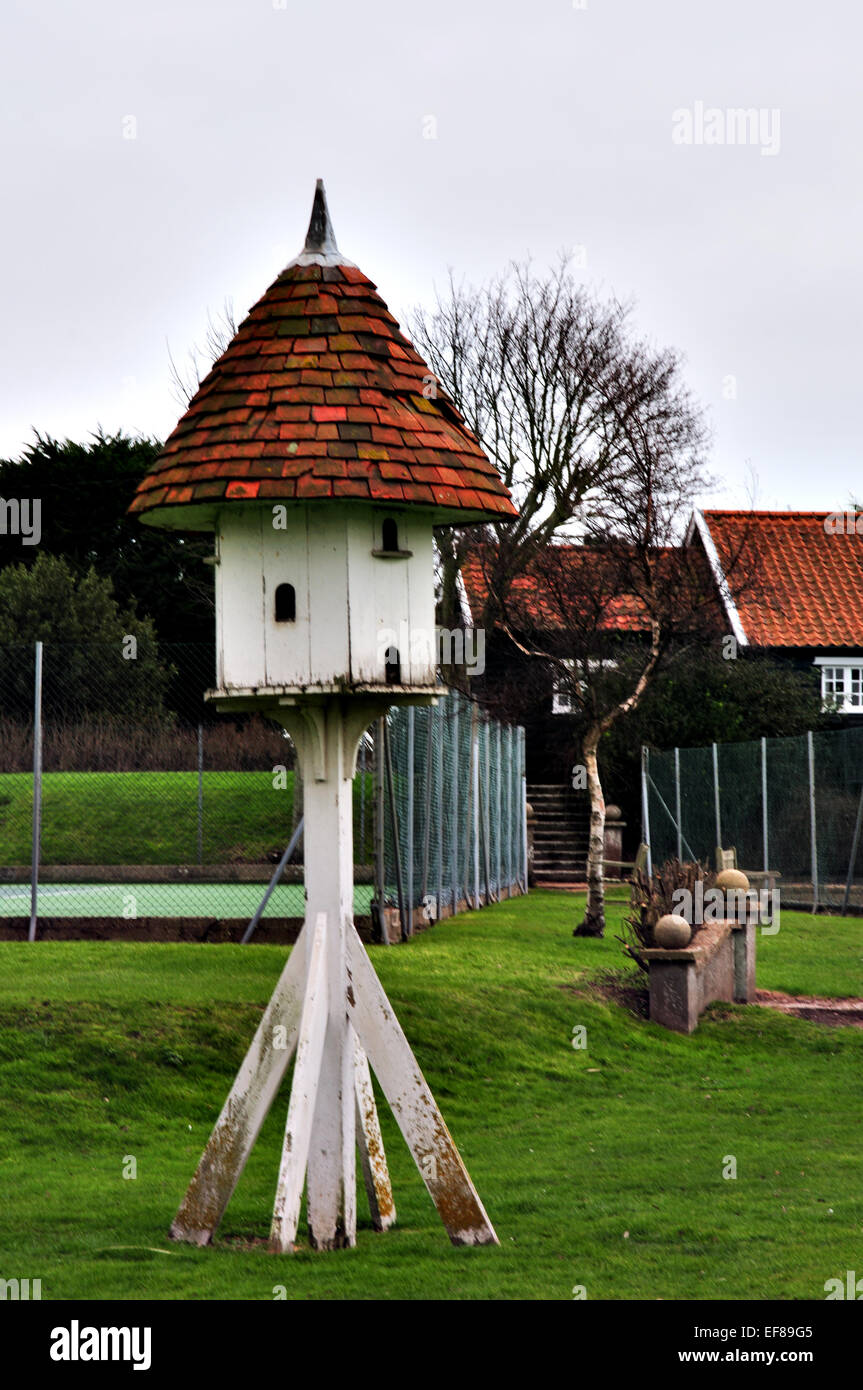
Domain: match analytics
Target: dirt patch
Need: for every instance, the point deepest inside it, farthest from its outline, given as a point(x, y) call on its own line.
point(626, 990)
point(846, 1013)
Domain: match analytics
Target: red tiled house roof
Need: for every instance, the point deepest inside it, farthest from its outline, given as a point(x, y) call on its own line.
point(530, 605)
point(809, 590)
point(320, 396)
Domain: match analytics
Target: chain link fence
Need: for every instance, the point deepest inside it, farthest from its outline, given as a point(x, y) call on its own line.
point(151, 807)
point(792, 807)
point(458, 838)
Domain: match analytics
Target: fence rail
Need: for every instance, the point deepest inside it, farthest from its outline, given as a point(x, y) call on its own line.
point(792, 806)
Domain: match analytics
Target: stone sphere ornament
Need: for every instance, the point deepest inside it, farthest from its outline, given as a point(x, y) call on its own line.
point(672, 933)
point(731, 878)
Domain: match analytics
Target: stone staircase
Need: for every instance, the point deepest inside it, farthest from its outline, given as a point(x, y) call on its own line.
point(561, 832)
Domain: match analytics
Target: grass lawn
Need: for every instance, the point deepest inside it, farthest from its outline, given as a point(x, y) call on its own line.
point(152, 817)
point(599, 1167)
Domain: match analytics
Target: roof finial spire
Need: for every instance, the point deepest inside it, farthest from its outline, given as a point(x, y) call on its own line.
point(320, 238)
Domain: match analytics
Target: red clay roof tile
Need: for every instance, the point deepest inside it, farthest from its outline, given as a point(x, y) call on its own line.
point(795, 583)
point(319, 369)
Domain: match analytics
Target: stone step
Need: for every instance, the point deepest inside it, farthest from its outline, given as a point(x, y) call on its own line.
point(560, 858)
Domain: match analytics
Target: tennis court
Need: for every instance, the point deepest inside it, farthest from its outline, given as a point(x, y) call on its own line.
point(220, 900)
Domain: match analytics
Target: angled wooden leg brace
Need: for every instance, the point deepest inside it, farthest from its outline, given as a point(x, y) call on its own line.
point(330, 1007)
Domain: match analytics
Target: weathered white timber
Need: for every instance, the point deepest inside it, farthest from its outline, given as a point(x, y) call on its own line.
point(245, 1109)
point(325, 616)
point(413, 1104)
point(327, 743)
point(382, 1208)
point(304, 1089)
point(333, 1009)
point(349, 594)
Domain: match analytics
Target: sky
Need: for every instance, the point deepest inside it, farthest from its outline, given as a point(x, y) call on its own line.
point(159, 159)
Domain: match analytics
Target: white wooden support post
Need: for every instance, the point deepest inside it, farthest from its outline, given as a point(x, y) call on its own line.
point(371, 1146)
point(331, 1008)
point(310, 1051)
point(413, 1105)
point(245, 1110)
point(326, 745)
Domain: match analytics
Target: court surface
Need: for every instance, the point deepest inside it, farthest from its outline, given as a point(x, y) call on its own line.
point(162, 900)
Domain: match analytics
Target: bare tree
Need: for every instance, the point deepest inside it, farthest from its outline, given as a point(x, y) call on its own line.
point(186, 379)
point(531, 362)
point(597, 437)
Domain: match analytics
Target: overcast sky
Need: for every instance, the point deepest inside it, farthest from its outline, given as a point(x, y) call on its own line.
point(160, 157)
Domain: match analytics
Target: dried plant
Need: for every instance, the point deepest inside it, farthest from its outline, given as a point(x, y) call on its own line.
point(652, 897)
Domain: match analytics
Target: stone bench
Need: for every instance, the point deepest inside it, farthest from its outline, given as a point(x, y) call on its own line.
point(718, 964)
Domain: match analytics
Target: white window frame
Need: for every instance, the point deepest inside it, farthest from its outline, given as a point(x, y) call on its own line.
point(561, 700)
point(850, 701)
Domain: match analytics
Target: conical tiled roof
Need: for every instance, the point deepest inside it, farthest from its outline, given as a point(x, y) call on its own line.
point(320, 396)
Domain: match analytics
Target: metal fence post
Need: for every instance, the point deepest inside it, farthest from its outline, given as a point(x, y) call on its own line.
point(361, 769)
point(410, 809)
point(475, 806)
point(498, 808)
point(405, 911)
point(455, 772)
point(469, 816)
point(812, 824)
point(37, 793)
point(509, 813)
point(645, 810)
point(764, 822)
point(716, 797)
point(484, 817)
point(200, 793)
point(427, 800)
point(677, 803)
point(855, 843)
point(379, 826)
point(276, 875)
point(440, 836)
point(522, 807)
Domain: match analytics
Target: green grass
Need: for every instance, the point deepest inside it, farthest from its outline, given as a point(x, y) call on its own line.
point(149, 817)
point(601, 1167)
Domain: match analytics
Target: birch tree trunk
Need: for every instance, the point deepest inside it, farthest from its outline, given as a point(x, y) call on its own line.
point(593, 923)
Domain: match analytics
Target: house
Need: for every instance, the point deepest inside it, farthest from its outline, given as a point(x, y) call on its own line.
point(786, 583)
point(807, 603)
